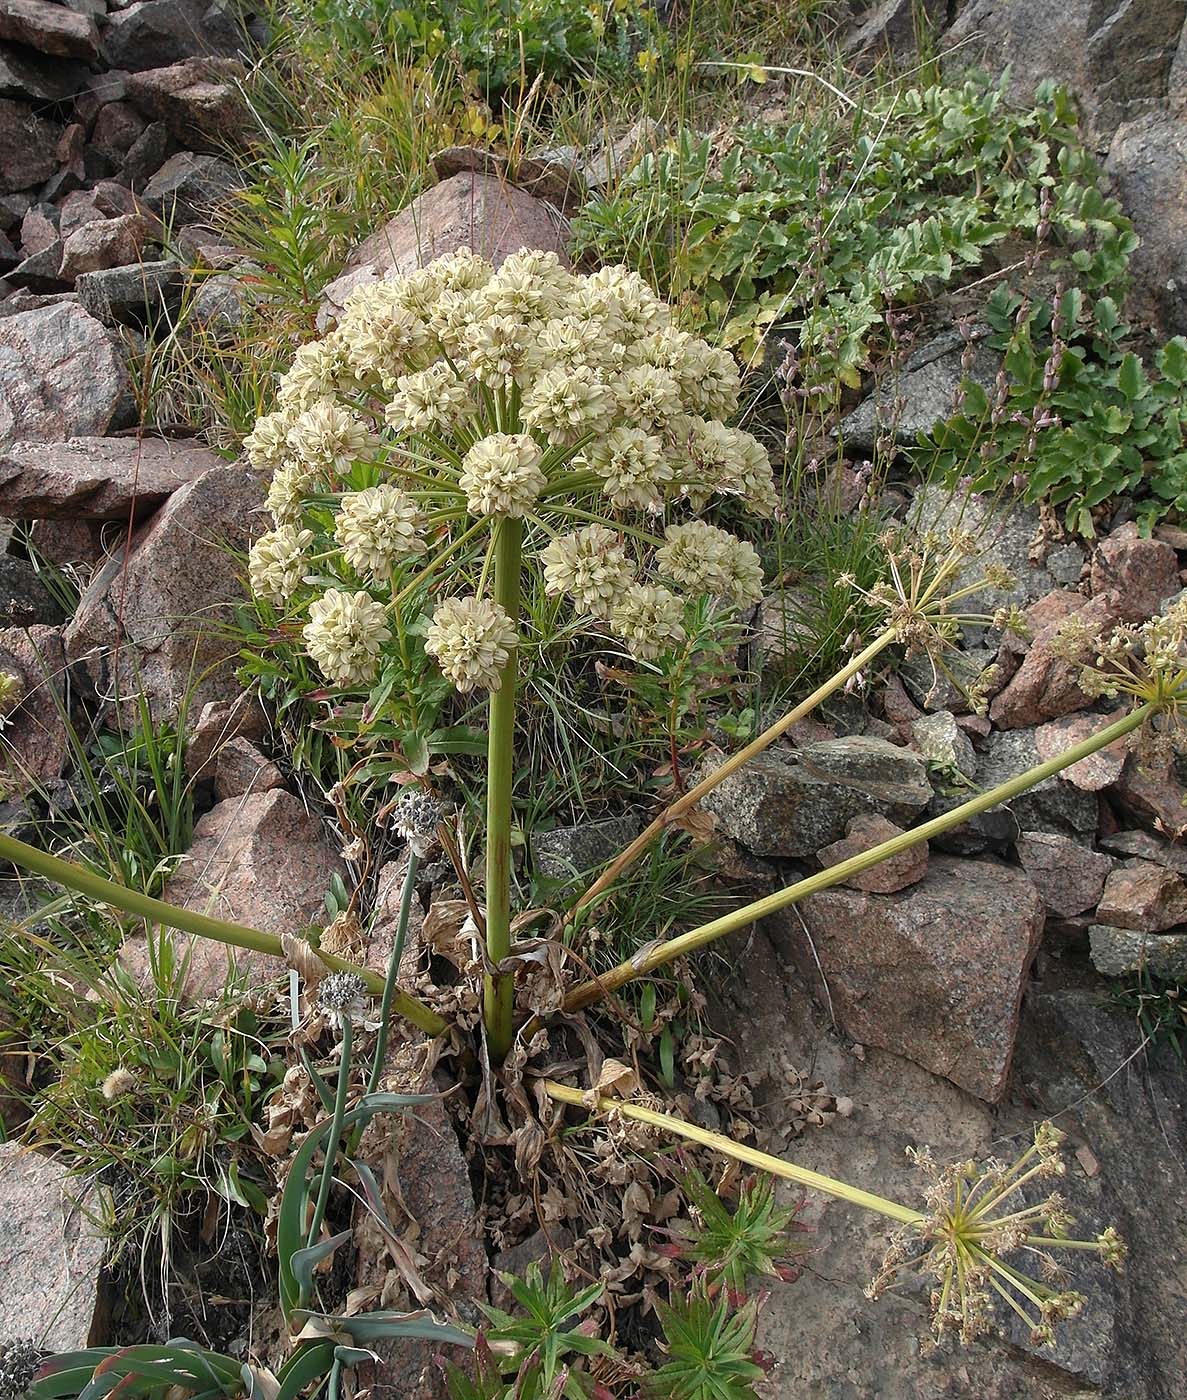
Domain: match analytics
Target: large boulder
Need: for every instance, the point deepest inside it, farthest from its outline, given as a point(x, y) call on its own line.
point(466, 211)
point(49, 29)
point(1148, 161)
point(61, 375)
point(789, 803)
point(147, 625)
point(259, 860)
point(34, 745)
point(52, 1249)
point(28, 147)
point(96, 478)
point(935, 972)
point(200, 101)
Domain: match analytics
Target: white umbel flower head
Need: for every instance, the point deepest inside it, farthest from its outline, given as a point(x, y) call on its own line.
point(376, 528)
point(648, 619)
point(471, 639)
point(315, 374)
point(344, 636)
point(432, 400)
point(267, 445)
point(381, 338)
point(745, 575)
point(276, 563)
point(566, 404)
point(589, 565)
point(329, 437)
point(286, 492)
point(697, 557)
point(495, 347)
point(501, 475)
point(634, 467)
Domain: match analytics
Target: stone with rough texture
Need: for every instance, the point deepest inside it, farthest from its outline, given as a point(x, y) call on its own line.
point(104, 243)
point(24, 599)
point(219, 722)
point(941, 741)
point(200, 101)
point(1051, 805)
point(134, 295)
point(1144, 846)
point(789, 803)
point(1148, 162)
point(1117, 952)
point(887, 877)
point(1145, 896)
point(1046, 686)
point(1068, 876)
point(28, 145)
point(61, 375)
point(49, 29)
point(35, 744)
point(27, 76)
point(154, 33)
point(189, 185)
point(783, 634)
point(52, 1250)
point(569, 852)
point(1153, 797)
point(468, 210)
point(1097, 771)
point(935, 972)
point(993, 830)
point(117, 129)
point(259, 860)
point(1136, 573)
point(146, 625)
point(241, 768)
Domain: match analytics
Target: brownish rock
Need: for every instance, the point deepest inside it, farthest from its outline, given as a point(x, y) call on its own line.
point(1045, 686)
point(50, 29)
point(935, 972)
point(220, 721)
point(241, 768)
point(104, 243)
point(465, 211)
point(96, 478)
point(27, 147)
point(200, 101)
point(1138, 573)
point(1153, 797)
point(145, 627)
point(259, 860)
point(1144, 896)
point(34, 745)
point(1068, 876)
point(52, 1250)
point(862, 834)
point(1098, 770)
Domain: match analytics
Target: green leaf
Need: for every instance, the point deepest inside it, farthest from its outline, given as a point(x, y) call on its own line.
point(1131, 377)
point(304, 1261)
point(375, 1326)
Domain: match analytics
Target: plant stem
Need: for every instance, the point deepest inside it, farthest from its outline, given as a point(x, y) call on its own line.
point(74, 877)
point(335, 1138)
point(657, 954)
point(814, 1181)
point(393, 969)
point(629, 854)
point(498, 990)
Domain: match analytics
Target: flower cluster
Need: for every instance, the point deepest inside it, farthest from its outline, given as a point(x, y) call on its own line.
point(456, 398)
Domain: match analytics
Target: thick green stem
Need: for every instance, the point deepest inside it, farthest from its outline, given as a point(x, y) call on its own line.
point(74, 877)
point(335, 1138)
point(802, 1176)
point(657, 954)
point(499, 988)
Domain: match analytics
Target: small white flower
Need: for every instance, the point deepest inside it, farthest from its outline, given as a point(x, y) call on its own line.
point(591, 566)
point(286, 492)
point(376, 527)
point(501, 475)
point(648, 619)
point(342, 996)
point(647, 396)
point(315, 374)
point(634, 467)
point(267, 445)
point(430, 400)
point(345, 634)
point(495, 347)
point(277, 563)
point(329, 437)
point(567, 403)
point(471, 639)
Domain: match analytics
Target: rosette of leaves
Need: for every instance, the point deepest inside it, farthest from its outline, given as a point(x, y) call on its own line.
point(461, 425)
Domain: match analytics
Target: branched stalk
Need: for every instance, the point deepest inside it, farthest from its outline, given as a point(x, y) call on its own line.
point(629, 854)
point(74, 877)
point(499, 988)
point(813, 1181)
point(656, 954)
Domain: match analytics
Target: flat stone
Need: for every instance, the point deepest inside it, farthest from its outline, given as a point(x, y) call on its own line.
point(147, 624)
point(241, 768)
point(1068, 876)
point(935, 972)
point(145, 155)
point(783, 638)
point(104, 243)
point(863, 834)
point(40, 272)
point(36, 745)
point(135, 295)
point(200, 101)
point(189, 185)
point(1094, 773)
point(117, 129)
point(1147, 847)
point(465, 211)
point(1142, 895)
point(61, 375)
point(1148, 163)
point(49, 29)
point(940, 740)
point(1136, 573)
point(1117, 952)
point(567, 853)
point(52, 1251)
point(27, 76)
point(790, 803)
point(27, 147)
point(97, 478)
point(1051, 805)
point(259, 860)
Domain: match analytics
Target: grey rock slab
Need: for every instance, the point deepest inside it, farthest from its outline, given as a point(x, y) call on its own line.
point(24, 598)
point(189, 185)
point(28, 147)
point(1051, 805)
point(569, 852)
point(36, 744)
point(97, 478)
point(155, 33)
point(61, 375)
point(1119, 952)
point(51, 1252)
point(940, 740)
point(135, 295)
point(200, 101)
point(28, 76)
